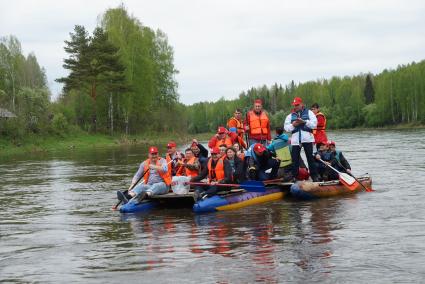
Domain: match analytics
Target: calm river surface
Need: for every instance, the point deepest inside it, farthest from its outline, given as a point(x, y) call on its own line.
point(56, 224)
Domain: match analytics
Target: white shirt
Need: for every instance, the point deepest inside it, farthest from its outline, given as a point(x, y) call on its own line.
point(305, 137)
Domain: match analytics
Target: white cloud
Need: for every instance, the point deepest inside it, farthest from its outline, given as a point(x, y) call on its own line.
point(225, 47)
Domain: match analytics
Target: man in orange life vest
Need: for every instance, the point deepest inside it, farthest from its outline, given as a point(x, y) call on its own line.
point(320, 131)
point(156, 177)
point(190, 164)
point(174, 156)
point(301, 122)
point(215, 173)
point(220, 138)
point(257, 124)
point(236, 122)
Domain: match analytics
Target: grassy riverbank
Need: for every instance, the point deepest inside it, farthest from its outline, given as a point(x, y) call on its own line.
point(82, 140)
point(35, 143)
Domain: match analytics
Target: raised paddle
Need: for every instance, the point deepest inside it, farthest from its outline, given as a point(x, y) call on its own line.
point(350, 182)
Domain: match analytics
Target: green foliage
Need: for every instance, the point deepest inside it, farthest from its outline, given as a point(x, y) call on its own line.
point(60, 124)
point(398, 96)
point(369, 92)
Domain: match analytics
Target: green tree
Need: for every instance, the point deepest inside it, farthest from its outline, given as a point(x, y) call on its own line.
point(369, 92)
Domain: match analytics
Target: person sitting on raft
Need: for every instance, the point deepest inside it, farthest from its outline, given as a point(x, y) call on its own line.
point(233, 167)
point(215, 173)
point(338, 160)
point(156, 178)
point(220, 138)
point(259, 160)
point(324, 171)
point(200, 152)
point(174, 156)
point(281, 149)
point(239, 152)
point(235, 138)
point(190, 164)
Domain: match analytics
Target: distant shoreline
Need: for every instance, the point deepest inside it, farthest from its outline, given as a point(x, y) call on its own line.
point(51, 144)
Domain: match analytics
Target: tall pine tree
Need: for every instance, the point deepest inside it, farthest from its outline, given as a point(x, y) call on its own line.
point(369, 92)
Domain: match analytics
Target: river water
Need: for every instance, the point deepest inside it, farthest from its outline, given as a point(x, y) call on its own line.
point(57, 225)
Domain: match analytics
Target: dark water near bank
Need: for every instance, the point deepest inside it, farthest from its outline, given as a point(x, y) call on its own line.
point(56, 224)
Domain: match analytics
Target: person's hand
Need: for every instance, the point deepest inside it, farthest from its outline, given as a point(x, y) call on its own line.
point(247, 127)
point(300, 121)
point(194, 141)
point(318, 157)
point(295, 123)
point(213, 182)
point(349, 171)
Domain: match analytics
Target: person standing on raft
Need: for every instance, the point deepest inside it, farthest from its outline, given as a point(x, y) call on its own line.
point(301, 122)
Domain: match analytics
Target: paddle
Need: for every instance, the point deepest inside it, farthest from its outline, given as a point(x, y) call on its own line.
point(251, 185)
point(119, 202)
point(347, 180)
point(364, 187)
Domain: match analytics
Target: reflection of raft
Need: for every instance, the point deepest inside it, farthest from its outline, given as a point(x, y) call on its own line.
point(240, 200)
point(307, 190)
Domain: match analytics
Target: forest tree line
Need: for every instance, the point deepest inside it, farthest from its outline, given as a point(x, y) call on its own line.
point(122, 81)
point(389, 98)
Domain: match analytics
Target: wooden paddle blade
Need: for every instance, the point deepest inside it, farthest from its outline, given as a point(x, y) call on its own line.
point(348, 181)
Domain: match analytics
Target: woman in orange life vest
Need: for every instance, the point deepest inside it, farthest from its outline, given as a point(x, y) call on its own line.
point(320, 131)
point(215, 173)
point(156, 178)
point(190, 166)
point(220, 138)
point(257, 124)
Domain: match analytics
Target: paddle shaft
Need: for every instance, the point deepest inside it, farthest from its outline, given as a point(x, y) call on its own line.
point(330, 166)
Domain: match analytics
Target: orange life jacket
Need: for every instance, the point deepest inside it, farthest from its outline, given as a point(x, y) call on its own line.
point(233, 122)
point(170, 165)
point(258, 124)
point(321, 126)
point(165, 176)
point(219, 170)
point(179, 169)
point(226, 140)
point(189, 172)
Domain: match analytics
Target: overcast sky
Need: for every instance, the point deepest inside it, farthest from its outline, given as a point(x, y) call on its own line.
point(222, 48)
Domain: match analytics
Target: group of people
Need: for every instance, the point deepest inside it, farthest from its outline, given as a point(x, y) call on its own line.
point(244, 151)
